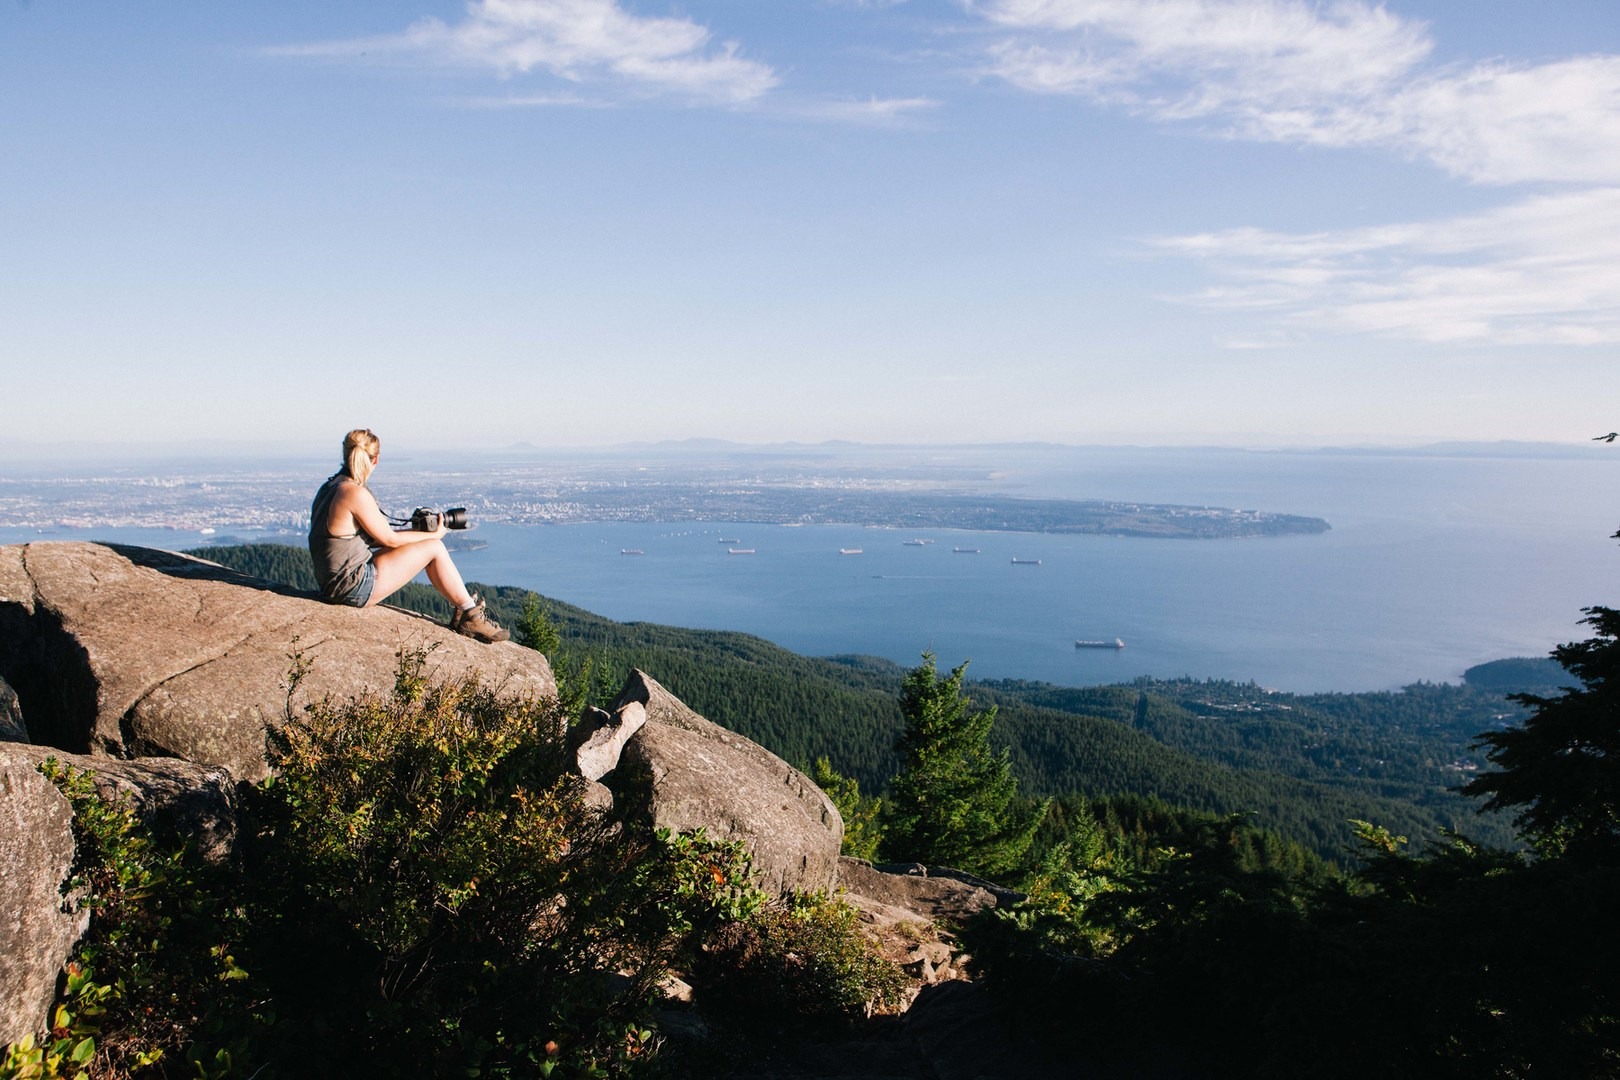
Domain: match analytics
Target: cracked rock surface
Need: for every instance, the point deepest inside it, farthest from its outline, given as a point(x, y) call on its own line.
point(124, 652)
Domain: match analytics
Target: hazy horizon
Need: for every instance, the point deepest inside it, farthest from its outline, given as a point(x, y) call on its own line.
point(79, 452)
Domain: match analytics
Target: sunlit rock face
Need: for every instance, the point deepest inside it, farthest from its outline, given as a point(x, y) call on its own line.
point(683, 772)
point(127, 652)
point(36, 857)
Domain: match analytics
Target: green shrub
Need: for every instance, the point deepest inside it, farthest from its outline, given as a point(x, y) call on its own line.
point(442, 901)
point(801, 959)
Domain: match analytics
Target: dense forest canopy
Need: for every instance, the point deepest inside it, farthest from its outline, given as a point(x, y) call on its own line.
point(1304, 765)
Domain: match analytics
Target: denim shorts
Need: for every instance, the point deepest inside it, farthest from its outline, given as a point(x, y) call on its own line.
point(357, 596)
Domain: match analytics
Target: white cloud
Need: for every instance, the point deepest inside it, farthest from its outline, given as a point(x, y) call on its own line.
point(581, 41)
point(1340, 74)
point(1190, 58)
point(874, 111)
point(1350, 74)
point(1501, 124)
point(1542, 271)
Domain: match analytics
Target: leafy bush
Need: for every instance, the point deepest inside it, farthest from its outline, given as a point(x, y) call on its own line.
point(801, 959)
point(440, 899)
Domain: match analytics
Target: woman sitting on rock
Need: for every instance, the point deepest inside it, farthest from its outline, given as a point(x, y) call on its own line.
point(361, 559)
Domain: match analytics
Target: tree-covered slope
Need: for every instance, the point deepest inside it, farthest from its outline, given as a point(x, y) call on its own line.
point(1304, 765)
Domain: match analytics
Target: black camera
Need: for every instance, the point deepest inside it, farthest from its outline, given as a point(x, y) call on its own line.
point(424, 519)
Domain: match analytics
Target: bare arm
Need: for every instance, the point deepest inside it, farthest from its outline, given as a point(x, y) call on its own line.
point(368, 517)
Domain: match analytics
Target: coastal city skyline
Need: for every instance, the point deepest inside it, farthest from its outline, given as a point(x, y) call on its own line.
point(591, 222)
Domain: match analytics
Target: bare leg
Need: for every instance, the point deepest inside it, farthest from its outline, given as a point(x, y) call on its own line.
point(396, 566)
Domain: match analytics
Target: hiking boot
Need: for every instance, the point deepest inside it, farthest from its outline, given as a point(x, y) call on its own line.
point(474, 622)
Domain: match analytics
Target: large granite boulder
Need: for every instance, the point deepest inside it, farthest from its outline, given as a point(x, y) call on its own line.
point(899, 891)
point(683, 772)
point(177, 802)
point(129, 652)
point(36, 856)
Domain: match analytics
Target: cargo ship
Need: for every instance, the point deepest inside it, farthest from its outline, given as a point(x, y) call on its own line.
point(1117, 643)
point(849, 551)
point(966, 551)
point(631, 551)
point(1026, 562)
point(739, 551)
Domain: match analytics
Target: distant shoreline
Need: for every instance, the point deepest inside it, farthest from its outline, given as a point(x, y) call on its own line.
point(969, 513)
point(783, 506)
point(277, 502)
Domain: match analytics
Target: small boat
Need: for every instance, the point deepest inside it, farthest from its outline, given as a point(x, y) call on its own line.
point(1026, 562)
point(966, 551)
point(1117, 643)
point(849, 551)
point(739, 551)
point(916, 543)
point(631, 551)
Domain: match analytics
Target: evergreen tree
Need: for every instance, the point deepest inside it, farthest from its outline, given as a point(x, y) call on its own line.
point(954, 802)
point(535, 629)
point(1561, 768)
point(862, 833)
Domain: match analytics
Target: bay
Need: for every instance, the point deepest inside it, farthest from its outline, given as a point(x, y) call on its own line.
point(1434, 563)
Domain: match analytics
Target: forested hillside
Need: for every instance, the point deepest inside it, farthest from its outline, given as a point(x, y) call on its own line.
point(1304, 765)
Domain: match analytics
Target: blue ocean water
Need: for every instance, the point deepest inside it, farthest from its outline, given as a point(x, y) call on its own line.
point(1432, 564)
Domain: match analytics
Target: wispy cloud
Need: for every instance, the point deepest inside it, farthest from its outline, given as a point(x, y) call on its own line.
point(593, 42)
point(1543, 271)
point(1190, 58)
point(875, 111)
point(1340, 74)
point(535, 101)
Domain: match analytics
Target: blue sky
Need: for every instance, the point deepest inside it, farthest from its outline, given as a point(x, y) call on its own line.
point(1254, 222)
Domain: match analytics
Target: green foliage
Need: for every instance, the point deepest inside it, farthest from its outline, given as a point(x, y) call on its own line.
point(1302, 764)
point(273, 562)
point(953, 802)
point(69, 1048)
point(534, 629)
point(583, 679)
point(798, 960)
point(1463, 961)
point(1560, 769)
point(154, 988)
point(1519, 675)
point(862, 831)
point(445, 902)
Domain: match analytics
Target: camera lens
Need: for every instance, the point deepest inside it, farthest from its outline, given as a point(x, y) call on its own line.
point(455, 517)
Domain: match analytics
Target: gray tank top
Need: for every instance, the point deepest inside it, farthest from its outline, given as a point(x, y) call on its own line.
point(339, 560)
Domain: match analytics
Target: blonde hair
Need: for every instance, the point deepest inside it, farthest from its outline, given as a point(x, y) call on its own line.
point(359, 447)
